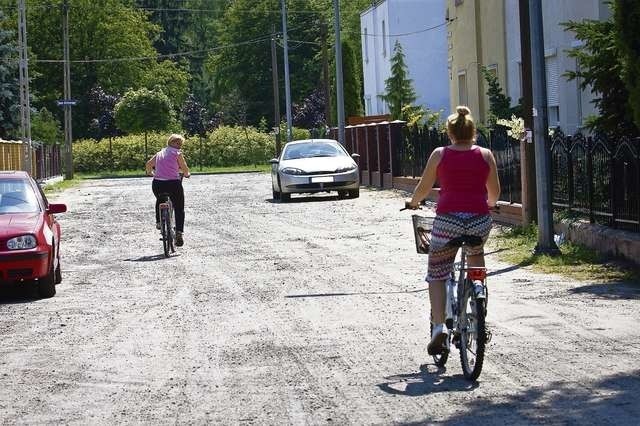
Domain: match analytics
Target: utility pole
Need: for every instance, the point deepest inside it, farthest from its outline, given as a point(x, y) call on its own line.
point(68, 151)
point(527, 151)
point(339, 83)
point(325, 73)
point(276, 90)
point(25, 107)
point(546, 244)
point(287, 86)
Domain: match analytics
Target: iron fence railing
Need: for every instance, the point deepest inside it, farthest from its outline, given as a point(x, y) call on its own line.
point(597, 178)
point(418, 143)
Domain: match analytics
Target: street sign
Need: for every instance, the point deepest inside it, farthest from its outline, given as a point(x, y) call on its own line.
point(65, 102)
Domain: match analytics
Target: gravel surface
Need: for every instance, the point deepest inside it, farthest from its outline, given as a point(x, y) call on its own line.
point(308, 312)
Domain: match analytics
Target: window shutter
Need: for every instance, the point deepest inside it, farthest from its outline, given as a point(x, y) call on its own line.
point(553, 77)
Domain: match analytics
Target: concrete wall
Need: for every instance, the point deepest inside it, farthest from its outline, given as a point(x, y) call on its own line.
point(419, 27)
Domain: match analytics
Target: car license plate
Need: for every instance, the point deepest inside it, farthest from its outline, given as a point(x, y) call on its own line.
point(320, 179)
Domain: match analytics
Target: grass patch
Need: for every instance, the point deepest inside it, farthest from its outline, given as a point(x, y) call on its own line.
point(194, 171)
point(575, 261)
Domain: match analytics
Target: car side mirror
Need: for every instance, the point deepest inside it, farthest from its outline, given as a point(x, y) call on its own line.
point(56, 208)
point(355, 155)
point(274, 161)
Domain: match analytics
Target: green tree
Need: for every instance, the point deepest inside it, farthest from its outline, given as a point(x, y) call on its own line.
point(244, 32)
point(9, 86)
point(143, 111)
point(171, 78)
point(45, 127)
point(600, 71)
point(627, 22)
point(351, 81)
point(110, 44)
point(399, 91)
point(499, 103)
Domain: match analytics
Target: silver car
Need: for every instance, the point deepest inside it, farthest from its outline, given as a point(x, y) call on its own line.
point(314, 165)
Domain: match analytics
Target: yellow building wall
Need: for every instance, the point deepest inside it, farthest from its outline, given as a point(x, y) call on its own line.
point(476, 38)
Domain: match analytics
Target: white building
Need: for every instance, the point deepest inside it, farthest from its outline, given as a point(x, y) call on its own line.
point(420, 27)
point(569, 106)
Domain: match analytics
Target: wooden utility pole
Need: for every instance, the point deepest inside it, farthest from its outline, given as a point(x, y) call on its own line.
point(527, 151)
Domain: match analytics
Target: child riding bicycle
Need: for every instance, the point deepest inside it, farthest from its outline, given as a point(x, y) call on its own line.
point(166, 167)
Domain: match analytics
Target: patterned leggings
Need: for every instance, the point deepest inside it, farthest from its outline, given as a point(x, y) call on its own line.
point(447, 227)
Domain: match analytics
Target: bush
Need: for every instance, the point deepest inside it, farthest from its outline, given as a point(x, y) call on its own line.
point(224, 146)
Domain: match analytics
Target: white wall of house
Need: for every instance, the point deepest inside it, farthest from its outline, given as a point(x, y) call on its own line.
point(568, 105)
point(419, 27)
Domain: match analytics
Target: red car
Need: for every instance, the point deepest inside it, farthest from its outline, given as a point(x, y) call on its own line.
point(29, 234)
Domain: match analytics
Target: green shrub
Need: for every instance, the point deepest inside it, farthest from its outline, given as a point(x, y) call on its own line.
point(225, 146)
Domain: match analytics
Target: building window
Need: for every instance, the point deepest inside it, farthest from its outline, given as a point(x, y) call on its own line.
point(553, 83)
point(366, 46)
point(384, 40)
point(459, 2)
point(368, 105)
point(463, 97)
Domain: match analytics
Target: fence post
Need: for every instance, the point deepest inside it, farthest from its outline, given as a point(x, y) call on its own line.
point(612, 190)
point(589, 144)
point(570, 172)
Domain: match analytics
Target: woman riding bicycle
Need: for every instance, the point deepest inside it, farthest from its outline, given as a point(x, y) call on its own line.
point(169, 163)
point(469, 187)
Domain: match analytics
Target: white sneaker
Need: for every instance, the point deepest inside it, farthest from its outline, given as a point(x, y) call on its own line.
point(438, 339)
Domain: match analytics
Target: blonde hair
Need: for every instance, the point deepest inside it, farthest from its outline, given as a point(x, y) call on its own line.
point(174, 138)
point(461, 125)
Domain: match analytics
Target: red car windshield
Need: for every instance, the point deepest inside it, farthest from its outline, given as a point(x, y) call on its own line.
point(17, 196)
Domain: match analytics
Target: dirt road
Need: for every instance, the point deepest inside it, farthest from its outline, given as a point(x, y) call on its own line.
point(309, 312)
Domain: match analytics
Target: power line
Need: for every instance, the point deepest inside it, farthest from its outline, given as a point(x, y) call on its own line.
point(401, 34)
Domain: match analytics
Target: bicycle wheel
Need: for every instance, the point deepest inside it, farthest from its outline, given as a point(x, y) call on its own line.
point(473, 334)
point(441, 359)
point(172, 232)
point(165, 228)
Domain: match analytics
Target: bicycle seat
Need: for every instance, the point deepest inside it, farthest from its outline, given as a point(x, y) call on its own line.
point(469, 240)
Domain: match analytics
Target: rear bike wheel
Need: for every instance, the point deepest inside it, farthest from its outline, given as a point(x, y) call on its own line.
point(473, 333)
point(441, 359)
point(165, 228)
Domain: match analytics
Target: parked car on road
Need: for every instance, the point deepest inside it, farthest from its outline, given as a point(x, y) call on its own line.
point(29, 234)
point(314, 165)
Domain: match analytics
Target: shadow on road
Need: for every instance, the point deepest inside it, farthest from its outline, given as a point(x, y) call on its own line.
point(430, 379)
point(363, 293)
point(151, 258)
point(308, 199)
point(15, 294)
point(613, 400)
point(612, 291)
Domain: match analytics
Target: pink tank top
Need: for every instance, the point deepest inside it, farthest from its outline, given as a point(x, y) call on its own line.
point(167, 164)
point(463, 182)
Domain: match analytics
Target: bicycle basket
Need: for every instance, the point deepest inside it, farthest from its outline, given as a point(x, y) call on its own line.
point(422, 231)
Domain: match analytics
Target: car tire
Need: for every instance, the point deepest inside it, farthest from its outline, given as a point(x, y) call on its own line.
point(342, 194)
point(354, 193)
point(284, 197)
point(47, 285)
point(276, 195)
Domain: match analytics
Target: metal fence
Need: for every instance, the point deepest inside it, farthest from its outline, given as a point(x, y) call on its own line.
point(597, 178)
point(419, 142)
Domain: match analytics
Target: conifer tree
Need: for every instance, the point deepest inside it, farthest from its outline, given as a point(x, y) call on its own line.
point(627, 21)
point(399, 91)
